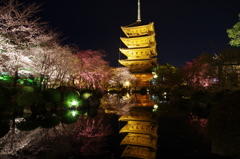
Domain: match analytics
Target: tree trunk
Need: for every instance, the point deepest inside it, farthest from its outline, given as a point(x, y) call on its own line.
point(15, 78)
point(41, 82)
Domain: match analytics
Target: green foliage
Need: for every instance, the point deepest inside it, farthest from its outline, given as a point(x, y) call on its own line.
point(167, 75)
point(224, 126)
point(6, 78)
point(69, 96)
point(68, 117)
point(234, 34)
point(5, 97)
point(28, 82)
point(86, 95)
point(27, 89)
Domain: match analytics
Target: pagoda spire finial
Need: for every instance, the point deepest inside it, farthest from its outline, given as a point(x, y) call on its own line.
point(139, 13)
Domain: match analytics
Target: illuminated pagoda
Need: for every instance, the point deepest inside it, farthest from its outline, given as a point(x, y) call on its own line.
point(141, 49)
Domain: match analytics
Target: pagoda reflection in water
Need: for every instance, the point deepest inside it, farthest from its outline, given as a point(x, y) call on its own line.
point(141, 128)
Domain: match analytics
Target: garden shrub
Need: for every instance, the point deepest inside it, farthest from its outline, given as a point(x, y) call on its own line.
point(52, 97)
point(31, 100)
point(67, 116)
point(69, 96)
point(27, 89)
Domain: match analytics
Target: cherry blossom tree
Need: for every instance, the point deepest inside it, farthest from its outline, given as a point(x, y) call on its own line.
point(120, 75)
point(92, 70)
point(53, 63)
point(198, 74)
point(19, 31)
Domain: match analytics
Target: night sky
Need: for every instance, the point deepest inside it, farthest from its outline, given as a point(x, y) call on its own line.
point(184, 28)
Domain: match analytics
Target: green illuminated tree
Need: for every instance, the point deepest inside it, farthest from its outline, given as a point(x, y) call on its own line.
point(234, 34)
point(168, 75)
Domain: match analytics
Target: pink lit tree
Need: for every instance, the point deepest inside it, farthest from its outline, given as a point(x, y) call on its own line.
point(91, 70)
point(198, 74)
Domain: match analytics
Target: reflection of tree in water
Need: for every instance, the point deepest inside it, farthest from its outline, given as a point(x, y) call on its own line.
point(52, 140)
point(198, 124)
point(48, 142)
point(116, 103)
point(91, 134)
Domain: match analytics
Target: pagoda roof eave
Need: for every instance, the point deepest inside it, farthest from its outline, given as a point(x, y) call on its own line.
point(133, 52)
point(137, 38)
point(137, 24)
point(138, 61)
point(140, 48)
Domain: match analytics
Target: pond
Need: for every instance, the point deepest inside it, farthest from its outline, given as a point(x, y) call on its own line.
point(125, 126)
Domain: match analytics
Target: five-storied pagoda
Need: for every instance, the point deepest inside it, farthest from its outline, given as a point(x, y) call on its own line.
point(141, 49)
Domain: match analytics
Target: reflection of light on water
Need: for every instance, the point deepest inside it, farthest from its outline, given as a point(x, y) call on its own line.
point(18, 120)
point(198, 123)
point(127, 96)
point(155, 107)
point(148, 91)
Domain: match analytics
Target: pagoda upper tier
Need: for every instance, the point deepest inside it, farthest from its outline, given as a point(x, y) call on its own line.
point(138, 29)
point(136, 42)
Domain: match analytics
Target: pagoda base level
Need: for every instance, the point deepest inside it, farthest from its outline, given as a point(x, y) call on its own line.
point(143, 79)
